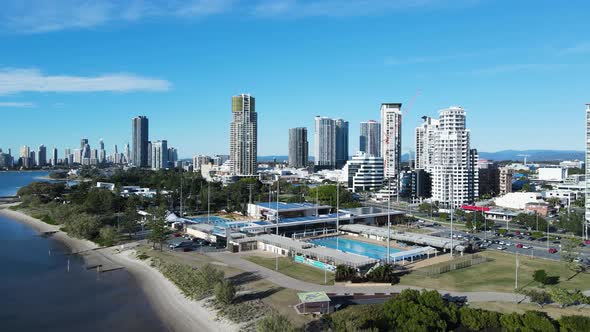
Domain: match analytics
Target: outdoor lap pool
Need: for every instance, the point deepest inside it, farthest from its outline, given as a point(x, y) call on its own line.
point(355, 247)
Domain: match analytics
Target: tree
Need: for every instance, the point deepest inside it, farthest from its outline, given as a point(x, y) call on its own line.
point(477, 319)
point(427, 208)
point(275, 322)
point(565, 298)
point(107, 236)
point(540, 276)
point(157, 227)
point(405, 312)
point(345, 273)
point(569, 253)
point(574, 323)
point(225, 292)
point(539, 297)
point(554, 201)
point(571, 222)
point(383, 273)
point(537, 321)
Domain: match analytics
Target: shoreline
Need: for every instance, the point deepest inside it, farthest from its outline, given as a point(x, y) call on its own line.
point(176, 312)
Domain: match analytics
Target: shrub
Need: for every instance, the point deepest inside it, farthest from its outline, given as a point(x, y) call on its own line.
point(275, 322)
point(539, 297)
point(537, 321)
point(574, 323)
point(477, 319)
point(345, 273)
point(107, 236)
point(383, 273)
point(225, 292)
point(358, 318)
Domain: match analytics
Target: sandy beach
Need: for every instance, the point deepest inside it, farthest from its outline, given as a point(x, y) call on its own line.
point(176, 312)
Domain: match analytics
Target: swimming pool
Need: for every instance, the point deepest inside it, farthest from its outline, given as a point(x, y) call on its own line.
point(355, 247)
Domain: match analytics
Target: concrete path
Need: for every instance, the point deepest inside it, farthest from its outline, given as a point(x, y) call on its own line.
point(235, 260)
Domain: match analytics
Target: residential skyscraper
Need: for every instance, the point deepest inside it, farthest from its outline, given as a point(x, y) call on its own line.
point(325, 142)
point(341, 142)
point(298, 147)
point(424, 141)
point(243, 140)
point(370, 138)
point(54, 160)
point(391, 140)
point(127, 154)
point(587, 224)
point(454, 172)
point(42, 155)
point(159, 155)
point(25, 157)
point(140, 138)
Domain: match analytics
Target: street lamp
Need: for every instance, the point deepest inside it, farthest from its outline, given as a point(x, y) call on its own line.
point(277, 218)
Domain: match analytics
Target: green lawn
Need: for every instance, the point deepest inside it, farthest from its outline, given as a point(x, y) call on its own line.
point(498, 275)
point(294, 270)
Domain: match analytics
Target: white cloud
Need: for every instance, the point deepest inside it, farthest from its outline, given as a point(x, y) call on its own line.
point(519, 67)
point(16, 104)
point(39, 16)
point(300, 8)
point(32, 80)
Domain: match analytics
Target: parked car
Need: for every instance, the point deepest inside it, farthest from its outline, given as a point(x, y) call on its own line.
point(552, 250)
point(501, 248)
point(526, 247)
point(519, 245)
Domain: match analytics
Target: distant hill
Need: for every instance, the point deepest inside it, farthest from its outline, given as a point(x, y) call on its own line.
point(533, 155)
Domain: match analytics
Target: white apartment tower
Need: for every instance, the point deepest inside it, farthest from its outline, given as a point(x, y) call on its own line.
point(325, 142)
point(391, 140)
point(364, 172)
point(159, 155)
point(454, 169)
point(244, 135)
point(425, 143)
point(587, 223)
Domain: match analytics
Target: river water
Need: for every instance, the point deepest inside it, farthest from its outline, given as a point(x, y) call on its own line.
point(37, 293)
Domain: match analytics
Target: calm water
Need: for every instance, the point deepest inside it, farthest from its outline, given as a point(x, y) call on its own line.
point(356, 247)
point(38, 294)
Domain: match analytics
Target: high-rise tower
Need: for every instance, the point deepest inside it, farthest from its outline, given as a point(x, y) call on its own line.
point(243, 138)
point(140, 137)
point(391, 140)
point(298, 147)
point(370, 138)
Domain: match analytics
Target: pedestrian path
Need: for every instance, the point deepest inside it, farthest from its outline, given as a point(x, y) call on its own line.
point(235, 260)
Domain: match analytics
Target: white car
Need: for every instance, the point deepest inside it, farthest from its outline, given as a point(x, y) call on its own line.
point(501, 248)
point(527, 247)
point(508, 244)
point(501, 243)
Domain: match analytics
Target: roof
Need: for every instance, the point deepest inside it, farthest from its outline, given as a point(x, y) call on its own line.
point(313, 297)
point(370, 210)
point(290, 206)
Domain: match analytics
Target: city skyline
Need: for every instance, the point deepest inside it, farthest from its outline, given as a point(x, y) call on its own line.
point(112, 75)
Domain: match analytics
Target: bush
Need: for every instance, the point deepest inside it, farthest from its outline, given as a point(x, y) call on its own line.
point(107, 236)
point(477, 319)
point(345, 273)
point(225, 292)
point(539, 297)
point(195, 284)
point(358, 318)
point(275, 322)
point(383, 273)
point(574, 323)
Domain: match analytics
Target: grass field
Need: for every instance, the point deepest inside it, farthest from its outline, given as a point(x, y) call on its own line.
point(294, 270)
point(498, 275)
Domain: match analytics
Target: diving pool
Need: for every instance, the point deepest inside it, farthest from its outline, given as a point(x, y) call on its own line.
point(355, 247)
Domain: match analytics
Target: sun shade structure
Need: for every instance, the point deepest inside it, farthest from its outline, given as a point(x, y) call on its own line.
point(313, 297)
point(428, 240)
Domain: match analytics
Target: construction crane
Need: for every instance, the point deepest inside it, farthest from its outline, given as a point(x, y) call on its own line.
point(525, 156)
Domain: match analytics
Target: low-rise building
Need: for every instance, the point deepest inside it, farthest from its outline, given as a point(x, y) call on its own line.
point(105, 185)
point(518, 200)
point(541, 208)
point(364, 172)
point(552, 174)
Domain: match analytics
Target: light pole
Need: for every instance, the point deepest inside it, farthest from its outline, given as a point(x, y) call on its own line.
point(516, 276)
point(277, 218)
point(337, 212)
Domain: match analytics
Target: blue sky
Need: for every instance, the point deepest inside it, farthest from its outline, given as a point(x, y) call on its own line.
point(71, 69)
